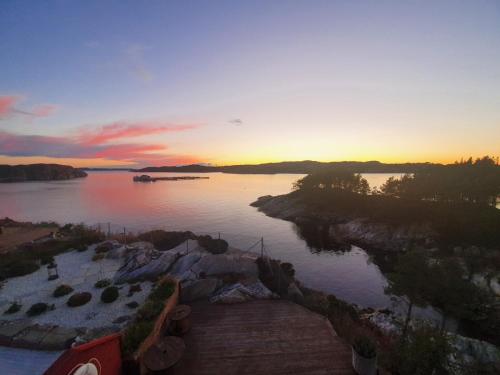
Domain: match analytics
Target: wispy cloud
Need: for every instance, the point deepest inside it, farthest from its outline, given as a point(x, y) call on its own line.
point(236, 121)
point(9, 106)
point(97, 143)
point(120, 130)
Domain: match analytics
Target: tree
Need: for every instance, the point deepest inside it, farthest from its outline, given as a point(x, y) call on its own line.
point(410, 282)
point(454, 295)
point(331, 180)
point(425, 352)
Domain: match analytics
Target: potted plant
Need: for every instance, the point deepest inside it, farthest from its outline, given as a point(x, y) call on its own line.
point(364, 356)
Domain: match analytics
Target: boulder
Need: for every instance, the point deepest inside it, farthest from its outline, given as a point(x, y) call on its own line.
point(473, 350)
point(106, 246)
point(58, 339)
point(199, 289)
point(31, 337)
point(211, 264)
point(143, 262)
point(184, 264)
point(238, 292)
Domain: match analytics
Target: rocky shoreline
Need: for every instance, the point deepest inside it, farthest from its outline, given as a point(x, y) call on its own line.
point(346, 229)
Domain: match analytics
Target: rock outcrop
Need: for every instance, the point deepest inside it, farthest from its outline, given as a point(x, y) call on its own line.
point(343, 229)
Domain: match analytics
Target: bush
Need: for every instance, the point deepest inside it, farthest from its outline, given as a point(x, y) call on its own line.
point(13, 308)
point(132, 305)
point(135, 335)
point(164, 240)
point(212, 245)
point(18, 267)
point(150, 310)
point(37, 309)
point(110, 294)
point(81, 247)
point(46, 259)
point(162, 291)
point(365, 347)
point(102, 283)
point(98, 257)
point(79, 299)
point(62, 290)
point(104, 247)
point(426, 351)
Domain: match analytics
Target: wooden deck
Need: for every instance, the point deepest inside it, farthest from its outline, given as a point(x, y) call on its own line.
point(261, 337)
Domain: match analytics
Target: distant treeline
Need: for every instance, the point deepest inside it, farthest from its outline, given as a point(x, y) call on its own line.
point(298, 167)
point(38, 172)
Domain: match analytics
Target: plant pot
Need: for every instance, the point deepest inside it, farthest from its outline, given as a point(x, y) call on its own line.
point(363, 365)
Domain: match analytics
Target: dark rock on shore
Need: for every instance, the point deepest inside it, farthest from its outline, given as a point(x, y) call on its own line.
point(39, 172)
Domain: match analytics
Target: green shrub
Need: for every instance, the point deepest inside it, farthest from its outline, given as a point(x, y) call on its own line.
point(81, 247)
point(132, 305)
point(37, 309)
point(13, 308)
point(164, 240)
point(18, 267)
point(110, 294)
point(104, 247)
point(162, 291)
point(79, 299)
point(213, 245)
point(62, 290)
point(365, 347)
point(102, 283)
point(98, 257)
point(135, 334)
point(150, 310)
point(426, 351)
point(46, 259)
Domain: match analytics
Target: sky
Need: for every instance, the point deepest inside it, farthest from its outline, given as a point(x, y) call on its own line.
point(130, 83)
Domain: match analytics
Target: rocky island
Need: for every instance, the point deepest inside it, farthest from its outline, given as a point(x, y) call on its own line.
point(39, 172)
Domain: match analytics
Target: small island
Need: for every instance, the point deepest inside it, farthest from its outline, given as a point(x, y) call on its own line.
point(147, 178)
point(39, 172)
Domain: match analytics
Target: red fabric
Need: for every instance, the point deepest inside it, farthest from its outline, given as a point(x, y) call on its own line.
point(105, 353)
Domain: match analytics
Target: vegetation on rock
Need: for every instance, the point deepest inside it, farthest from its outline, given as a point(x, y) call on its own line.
point(62, 290)
point(163, 240)
point(37, 309)
point(110, 294)
point(213, 245)
point(13, 308)
point(79, 299)
point(365, 347)
point(103, 283)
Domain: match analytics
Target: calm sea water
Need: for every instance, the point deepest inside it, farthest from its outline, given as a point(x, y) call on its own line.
point(219, 204)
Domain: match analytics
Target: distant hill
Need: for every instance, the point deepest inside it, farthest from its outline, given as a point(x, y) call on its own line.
point(299, 167)
point(38, 172)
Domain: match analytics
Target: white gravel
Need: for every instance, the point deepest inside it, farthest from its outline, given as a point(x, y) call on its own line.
point(79, 271)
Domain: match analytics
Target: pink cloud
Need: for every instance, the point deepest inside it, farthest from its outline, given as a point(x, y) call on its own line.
point(44, 110)
point(119, 130)
point(96, 144)
point(6, 104)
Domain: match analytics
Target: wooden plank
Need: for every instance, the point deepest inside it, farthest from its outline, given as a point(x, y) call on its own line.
point(261, 337)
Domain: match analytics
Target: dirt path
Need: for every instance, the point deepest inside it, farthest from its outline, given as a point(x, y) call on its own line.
point(14, 236)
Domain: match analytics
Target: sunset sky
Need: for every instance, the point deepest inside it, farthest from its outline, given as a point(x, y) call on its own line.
point(120, 83)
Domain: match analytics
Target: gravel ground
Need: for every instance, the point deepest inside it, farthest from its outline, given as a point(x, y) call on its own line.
point(79, 271)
